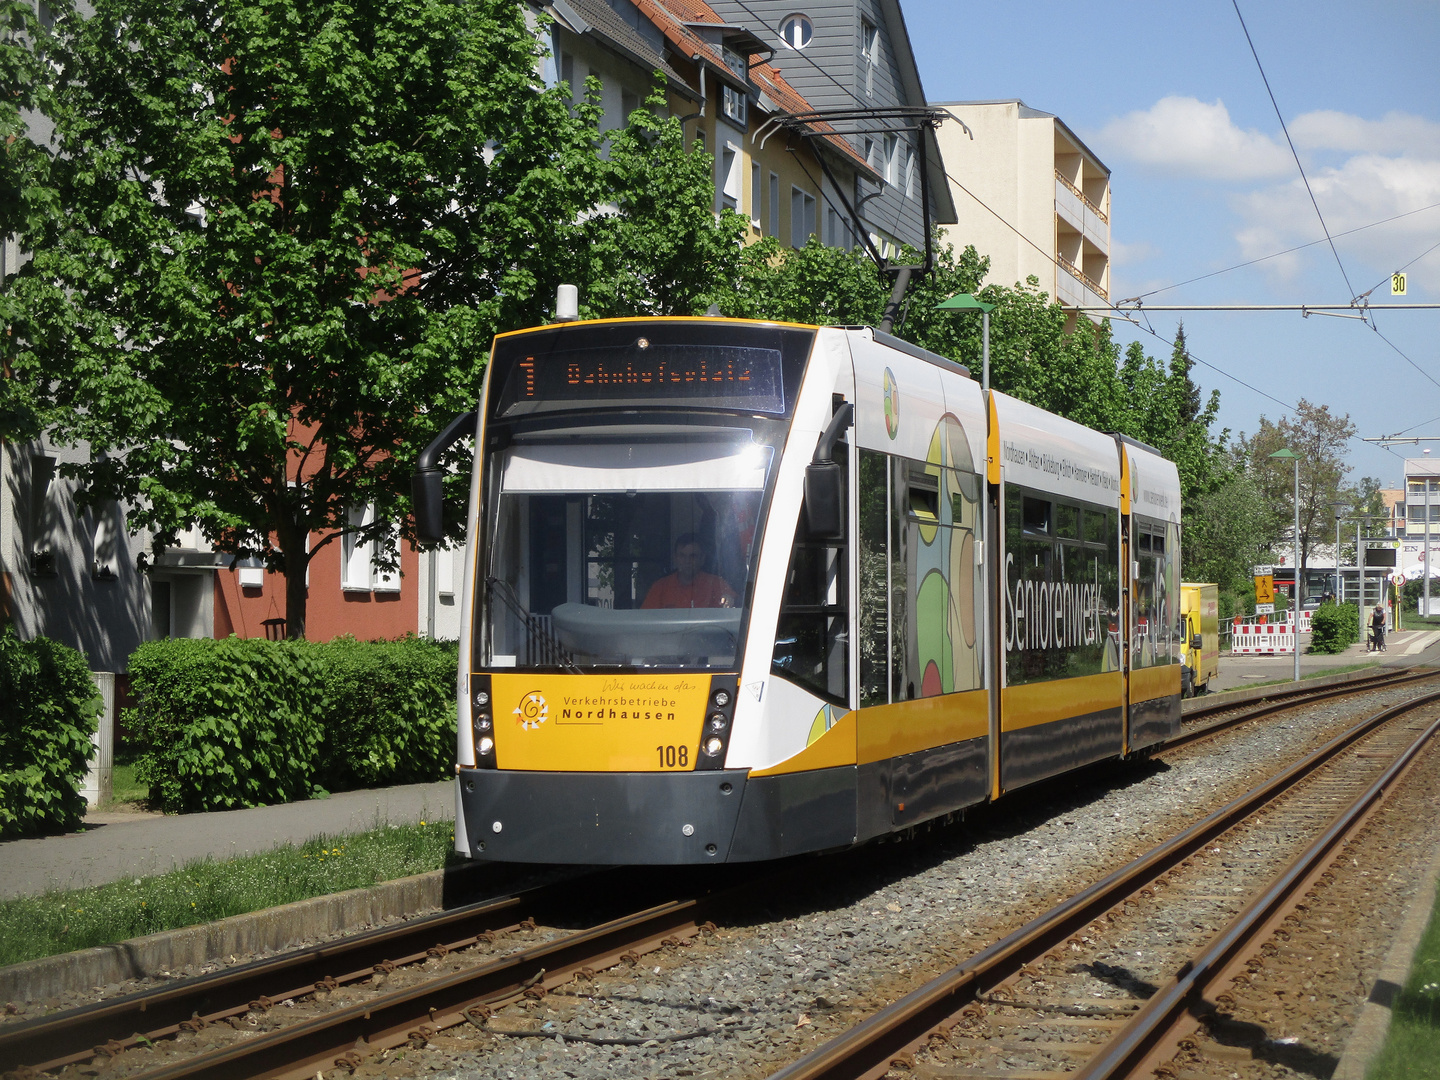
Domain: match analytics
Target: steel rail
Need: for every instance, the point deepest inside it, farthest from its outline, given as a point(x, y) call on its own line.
point(868, 1049)
point(345, 1036)
point(1176, 1008)
point(1291, 699)
point(52, 1042)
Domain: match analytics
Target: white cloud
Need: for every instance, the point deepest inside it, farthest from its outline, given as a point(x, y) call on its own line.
point(1394, 133)
point(1365, 189)
point(1185, 135)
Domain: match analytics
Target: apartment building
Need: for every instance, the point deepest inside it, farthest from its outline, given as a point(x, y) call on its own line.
point(718, 79)
point(1032, 196)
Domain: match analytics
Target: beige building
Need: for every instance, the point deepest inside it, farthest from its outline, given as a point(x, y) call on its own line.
point(1029, 194)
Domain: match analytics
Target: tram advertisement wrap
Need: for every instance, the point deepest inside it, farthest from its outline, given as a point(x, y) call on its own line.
point(598, 723)
point(1061, 604)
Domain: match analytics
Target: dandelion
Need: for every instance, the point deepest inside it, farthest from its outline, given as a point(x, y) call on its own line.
point(422, 823)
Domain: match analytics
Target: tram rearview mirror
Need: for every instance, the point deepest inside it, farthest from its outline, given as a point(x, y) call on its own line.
point(429, 502)
point(427, 492)
point(825, 500)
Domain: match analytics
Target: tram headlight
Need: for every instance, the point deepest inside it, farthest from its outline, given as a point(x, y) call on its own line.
point(722, 698)
point(717, 722)
point(483, 722)
point(713, 746)
point(485, 745)
point(482, 698)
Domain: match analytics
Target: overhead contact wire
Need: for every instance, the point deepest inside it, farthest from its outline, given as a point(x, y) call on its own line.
point(1293, 152)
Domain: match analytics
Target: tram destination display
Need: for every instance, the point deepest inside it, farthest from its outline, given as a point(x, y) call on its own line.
point(713, 376)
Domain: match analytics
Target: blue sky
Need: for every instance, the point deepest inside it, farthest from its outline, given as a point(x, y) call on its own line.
point(1170, 98)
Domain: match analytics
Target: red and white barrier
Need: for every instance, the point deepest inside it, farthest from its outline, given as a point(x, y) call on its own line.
point(1263, 638)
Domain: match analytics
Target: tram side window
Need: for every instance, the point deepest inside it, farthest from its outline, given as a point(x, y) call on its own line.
point(874, 554)
point(1062, 588)
point(812, 641)
point(918, 579)
point(1154, 641)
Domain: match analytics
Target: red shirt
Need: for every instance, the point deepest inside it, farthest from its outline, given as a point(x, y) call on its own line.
point(706, 591)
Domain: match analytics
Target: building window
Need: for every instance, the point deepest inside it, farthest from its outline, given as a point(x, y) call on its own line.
point(869, 53)
point(755, 193)
point(567, 72)
point(734, 61)
point(358, 571)
point(730, 176)
point(629, 103)
point(774, 205)
point(909, 174)
point(44, 515)
point(733, 104)
point(796, 30)
point(802, 216)
point(891, 164)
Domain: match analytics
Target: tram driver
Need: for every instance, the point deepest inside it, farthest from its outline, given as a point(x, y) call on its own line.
point(690, 586)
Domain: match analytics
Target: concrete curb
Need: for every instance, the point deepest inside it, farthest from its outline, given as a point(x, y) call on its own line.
point(256, 932)
point(1368, 1038)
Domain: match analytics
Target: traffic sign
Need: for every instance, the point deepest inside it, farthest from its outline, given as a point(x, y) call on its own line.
point(1264, 585)
point(1397, 284)
point(1264, 609)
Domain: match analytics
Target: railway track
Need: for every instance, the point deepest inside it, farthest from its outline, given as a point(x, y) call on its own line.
point(1229, 715)
point(247, 997)
point(240, 996)
point(1019, 1000)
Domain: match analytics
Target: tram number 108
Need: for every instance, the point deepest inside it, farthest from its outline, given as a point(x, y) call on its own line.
point(674, 757)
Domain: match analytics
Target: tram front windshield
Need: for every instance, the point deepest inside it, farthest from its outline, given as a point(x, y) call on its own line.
point(624, 555)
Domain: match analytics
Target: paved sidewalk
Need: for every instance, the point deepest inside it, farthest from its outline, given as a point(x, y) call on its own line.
point(115, 846)
point(1402, 649)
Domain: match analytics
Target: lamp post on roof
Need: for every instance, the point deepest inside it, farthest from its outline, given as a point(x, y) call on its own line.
point(968, 302)
point(1294, 552)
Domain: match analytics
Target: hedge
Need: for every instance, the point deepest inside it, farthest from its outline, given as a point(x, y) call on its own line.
point(1334, 628)
point(48, 713)
point(225, 724)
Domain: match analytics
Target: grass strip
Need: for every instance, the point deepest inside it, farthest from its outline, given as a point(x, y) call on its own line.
point(208, 889)
point(1412, 1046)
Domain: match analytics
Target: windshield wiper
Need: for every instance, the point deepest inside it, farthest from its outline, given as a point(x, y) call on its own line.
point(544, 647)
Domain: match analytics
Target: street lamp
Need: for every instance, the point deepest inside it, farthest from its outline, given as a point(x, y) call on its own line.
point(1295, 554)
point(1339, 508)
point(967, 302)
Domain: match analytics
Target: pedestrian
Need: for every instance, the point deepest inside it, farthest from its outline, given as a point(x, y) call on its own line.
point(1377, 627)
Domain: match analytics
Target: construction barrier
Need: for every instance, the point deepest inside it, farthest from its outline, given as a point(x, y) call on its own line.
point(1266, 638)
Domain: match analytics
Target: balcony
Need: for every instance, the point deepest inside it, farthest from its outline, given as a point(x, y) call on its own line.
point(1065, 182)
point(1080, 275)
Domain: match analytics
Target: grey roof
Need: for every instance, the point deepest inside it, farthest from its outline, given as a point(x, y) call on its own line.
point(598, 18)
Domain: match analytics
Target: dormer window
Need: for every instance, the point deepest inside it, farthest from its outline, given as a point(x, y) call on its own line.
point(796, 30)
point(735, 62)
point(733, 104)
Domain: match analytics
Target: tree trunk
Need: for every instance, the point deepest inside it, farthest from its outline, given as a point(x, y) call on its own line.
point(297, 563)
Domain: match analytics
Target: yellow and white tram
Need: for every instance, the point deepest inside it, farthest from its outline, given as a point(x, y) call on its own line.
point(740, 590)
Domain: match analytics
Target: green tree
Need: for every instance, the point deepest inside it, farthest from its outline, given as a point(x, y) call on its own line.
point(1320, 438)
point(289, 232)
point(26, 194)
point(1229, 529)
